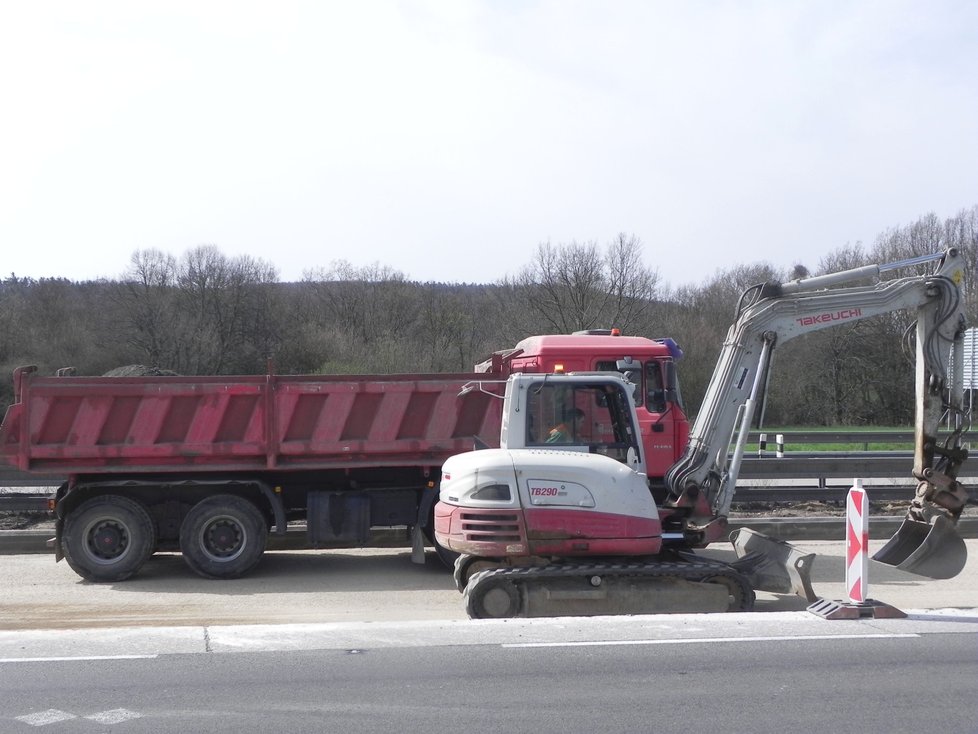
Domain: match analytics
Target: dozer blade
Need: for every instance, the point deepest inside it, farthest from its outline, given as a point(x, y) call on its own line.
point(773, 565)
point(933, 549)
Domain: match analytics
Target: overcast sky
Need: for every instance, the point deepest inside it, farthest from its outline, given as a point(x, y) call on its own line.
point(447, 139)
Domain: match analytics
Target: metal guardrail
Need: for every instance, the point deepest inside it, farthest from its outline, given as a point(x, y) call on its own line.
point(856, 438)
point(24, 503)
point(838, 465)
point(818, 466)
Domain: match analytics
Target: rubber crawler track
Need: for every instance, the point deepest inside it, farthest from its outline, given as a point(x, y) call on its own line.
point(687, 570)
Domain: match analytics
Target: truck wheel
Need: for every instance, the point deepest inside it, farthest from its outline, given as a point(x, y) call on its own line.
point(446, 556)
point(108, 538)
point(223, 537)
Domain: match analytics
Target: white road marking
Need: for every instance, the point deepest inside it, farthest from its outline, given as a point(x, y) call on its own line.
point(55, 716)
point(70, 659)
point(694, 640)
point(43, 718)
point(115, 716)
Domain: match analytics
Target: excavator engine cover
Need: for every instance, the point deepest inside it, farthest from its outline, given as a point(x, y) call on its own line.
point(933, 549)
point(773, 565)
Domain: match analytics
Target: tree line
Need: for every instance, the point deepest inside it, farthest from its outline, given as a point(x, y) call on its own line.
point(207, 313)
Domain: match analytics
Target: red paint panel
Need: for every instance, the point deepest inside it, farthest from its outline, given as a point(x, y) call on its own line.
point(550, 531)
point(52, 422)
point(82, 424)
point(118, 421)
point(361, 418)
point(586, 532)
point(417, 415)
point(178, 416)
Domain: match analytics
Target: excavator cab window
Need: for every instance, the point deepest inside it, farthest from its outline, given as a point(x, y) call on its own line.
point(581, 417)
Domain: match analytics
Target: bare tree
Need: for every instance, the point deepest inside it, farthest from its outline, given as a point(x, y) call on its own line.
point(149, 306)
point(569, 287)
point(204, 314)
point(367, 311)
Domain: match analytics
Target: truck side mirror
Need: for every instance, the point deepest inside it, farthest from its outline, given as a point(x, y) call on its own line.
point(669, 382)
point(627, 364)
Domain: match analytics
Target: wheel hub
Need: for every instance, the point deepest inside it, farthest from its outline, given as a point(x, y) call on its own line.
point(108, 540)
point(223, 538)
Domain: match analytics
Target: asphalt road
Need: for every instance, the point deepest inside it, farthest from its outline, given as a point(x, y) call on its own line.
point(365, 641)
point(371, 585)
point(686, 673)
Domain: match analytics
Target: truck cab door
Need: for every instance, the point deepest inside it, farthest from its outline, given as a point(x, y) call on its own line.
point(662, 419)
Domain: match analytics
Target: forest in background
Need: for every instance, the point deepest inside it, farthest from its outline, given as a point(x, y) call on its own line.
point(207, 313)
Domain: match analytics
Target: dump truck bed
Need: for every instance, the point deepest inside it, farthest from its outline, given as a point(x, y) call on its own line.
point(77, 425)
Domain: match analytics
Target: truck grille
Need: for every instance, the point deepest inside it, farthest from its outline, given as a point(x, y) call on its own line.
point(500, 527)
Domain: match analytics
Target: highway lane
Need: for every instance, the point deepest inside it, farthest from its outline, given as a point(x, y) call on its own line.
point(758, 673)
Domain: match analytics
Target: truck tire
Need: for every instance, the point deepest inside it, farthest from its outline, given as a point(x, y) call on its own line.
point(223, 537)
point(108, 538)
point(445, 555)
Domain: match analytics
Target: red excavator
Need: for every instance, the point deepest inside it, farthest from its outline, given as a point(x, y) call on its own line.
point(566, 522)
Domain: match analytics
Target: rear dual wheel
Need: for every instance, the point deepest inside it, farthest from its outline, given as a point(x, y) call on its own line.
point(223, 537)
point(108, 538)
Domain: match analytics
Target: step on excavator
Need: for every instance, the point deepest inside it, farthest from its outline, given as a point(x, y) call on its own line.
point(562, 520)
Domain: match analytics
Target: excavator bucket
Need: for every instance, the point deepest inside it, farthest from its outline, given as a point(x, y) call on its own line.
point(933, 549)
point(773, 565)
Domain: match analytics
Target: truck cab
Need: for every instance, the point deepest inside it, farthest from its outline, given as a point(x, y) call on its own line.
point(648, 363)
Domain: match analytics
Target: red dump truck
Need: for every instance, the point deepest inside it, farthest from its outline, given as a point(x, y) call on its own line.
point(209, 466)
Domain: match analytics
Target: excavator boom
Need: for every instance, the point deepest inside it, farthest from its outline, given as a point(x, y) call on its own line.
point(704, 478)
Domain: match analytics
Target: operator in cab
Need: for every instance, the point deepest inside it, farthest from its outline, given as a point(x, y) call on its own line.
point(565, 431)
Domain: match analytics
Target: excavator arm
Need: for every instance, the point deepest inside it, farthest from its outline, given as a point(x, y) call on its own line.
point(701, 484)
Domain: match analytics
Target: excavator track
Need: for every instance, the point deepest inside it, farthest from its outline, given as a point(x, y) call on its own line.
point(588, 589)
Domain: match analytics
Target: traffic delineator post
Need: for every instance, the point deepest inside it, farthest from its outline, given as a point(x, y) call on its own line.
point(857, 567)
point(857, 542)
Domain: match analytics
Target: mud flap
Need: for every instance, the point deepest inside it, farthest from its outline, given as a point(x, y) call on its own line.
point(773, 565)
point(417, 545)
point(933, 549)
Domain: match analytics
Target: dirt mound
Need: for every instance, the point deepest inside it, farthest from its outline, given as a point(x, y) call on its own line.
point(139, 370)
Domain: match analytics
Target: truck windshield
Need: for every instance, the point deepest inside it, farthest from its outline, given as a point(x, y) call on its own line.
point(581, 415)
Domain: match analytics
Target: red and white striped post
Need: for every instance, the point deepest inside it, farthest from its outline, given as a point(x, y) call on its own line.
point(857, 564)
point(857, 542)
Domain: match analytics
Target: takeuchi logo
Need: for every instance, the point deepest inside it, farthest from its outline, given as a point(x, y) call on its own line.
point(825, 318)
